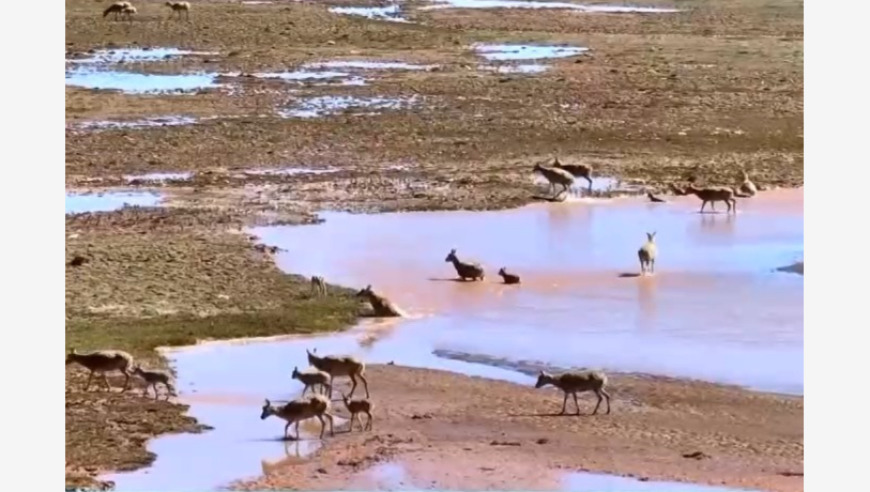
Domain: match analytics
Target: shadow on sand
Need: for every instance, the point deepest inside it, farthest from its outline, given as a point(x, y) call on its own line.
point(454, 279)
point(628, 275)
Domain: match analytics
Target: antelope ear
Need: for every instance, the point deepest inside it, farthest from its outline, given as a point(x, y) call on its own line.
point(540, 373)
point(369, 287)
point(268, 402)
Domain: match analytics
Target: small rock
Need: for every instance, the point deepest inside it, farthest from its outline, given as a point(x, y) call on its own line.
point(322, 470)
point(542, 440)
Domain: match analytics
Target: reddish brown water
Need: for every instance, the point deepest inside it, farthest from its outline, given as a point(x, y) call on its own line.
point(715, 309)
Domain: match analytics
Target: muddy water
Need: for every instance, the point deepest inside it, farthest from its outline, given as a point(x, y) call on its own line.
point(715, 299)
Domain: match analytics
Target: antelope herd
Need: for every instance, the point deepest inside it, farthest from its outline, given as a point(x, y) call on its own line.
point(126, 10)
point(324, 369)
point(320, 376)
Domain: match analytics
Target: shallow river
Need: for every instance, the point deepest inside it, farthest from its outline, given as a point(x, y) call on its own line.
point(715, 309)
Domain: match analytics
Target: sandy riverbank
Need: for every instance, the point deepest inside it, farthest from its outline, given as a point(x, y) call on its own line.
point(457, 432)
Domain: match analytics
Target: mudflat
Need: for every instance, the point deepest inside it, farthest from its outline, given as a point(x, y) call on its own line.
point(455, 432)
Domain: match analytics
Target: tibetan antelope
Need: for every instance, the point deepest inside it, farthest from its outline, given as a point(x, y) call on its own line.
point(382, 306)
point(577, 170)
point(509, 278)
point(714, 194)
point(356, 407)
point(555, 176)
point(298, 410)
point(647, 254)
point(178, 8)
point(103, 361)
point(340, 366)
point(577, 382)
point(465, 270)
point(318, 285)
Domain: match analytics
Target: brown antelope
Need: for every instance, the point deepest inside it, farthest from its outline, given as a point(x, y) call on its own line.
point(312, 379)
point(714, 194)
point(356, 407)
point(747, 188)
point(577, 382)
point(509, 278)
point(555, 176)
point(298, 410)
point(647, 254)
point(340, 366)
point(103, 361)
point(318, 285)
point(473, 270)
point(118, 8)
point(152, 377)
point(382, 306)
point(577, 170)
point(178, 8)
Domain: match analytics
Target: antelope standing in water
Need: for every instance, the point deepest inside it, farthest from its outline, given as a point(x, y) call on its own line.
point(465, 270)
point(577, 170)
point(747, 188)
point(714, 194)
point(555, 176)
point(647, 254)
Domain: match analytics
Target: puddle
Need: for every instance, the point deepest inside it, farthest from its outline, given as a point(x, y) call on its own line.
point(328, 105)
point(127, 55)
point(141, 123)
point(140, 83)
point(386, 476)
point(302, 76)
point(524, 68)
point(500, 52)
point(286, 171)
point(392, 13)
point(518, 4)
point(595, 482)
point(158, 177)
point(712, 301)
point(369, 65)
point(77, 203)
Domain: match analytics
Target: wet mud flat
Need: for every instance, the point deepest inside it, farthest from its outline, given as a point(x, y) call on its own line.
point(631, 88)
point(487, 434)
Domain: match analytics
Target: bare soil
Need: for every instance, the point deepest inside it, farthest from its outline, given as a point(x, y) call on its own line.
point(658, 98)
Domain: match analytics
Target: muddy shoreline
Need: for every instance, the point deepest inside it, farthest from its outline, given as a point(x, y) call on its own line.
point(489, 434)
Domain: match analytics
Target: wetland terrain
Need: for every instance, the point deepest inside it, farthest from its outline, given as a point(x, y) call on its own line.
point(214, 165)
